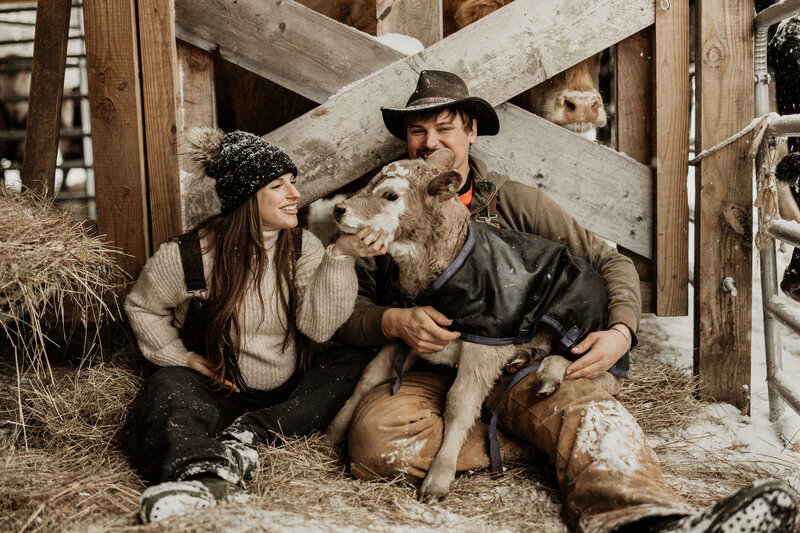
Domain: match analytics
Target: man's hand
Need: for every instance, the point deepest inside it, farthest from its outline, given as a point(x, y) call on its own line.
point(201, 364)
point(422, 328)
point(366, 243)
point(600, 349)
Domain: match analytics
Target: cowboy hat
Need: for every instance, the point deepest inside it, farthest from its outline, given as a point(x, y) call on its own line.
point(437, 89)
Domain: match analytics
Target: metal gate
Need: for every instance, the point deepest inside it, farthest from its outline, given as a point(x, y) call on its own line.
point(775, 311)
point(17, 25)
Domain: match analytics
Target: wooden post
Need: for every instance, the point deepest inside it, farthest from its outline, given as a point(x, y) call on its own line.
point(421, 19)
point(723, 208)
point(672, 104)
point(117, 137)
point(633, 91)
point(47, 87)
point(159, 93)
point(196, 107)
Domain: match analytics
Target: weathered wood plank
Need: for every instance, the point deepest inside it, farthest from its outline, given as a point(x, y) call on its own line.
point(421, 19)
point(532, 150)
point(47, 87)
point(723, 208)
point(498, 56)
point(633, 91)
point(672, 151)
point(159, 95)
point(117, 138)
point(196, 107)
point(284, 42)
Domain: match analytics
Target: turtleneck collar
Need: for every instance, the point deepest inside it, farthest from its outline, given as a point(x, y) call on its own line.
point(270, 237)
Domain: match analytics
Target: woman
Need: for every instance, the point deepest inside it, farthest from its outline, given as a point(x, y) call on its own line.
point(193, 427)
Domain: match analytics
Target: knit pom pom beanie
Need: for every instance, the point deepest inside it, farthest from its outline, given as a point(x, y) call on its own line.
point(239, 162)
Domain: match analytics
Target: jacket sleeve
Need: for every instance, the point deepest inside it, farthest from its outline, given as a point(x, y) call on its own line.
point(363, 328)
point(327, 288)
point(151, 307)
point(527, 209)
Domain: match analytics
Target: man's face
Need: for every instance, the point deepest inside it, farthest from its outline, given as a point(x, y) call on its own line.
point(445, 130)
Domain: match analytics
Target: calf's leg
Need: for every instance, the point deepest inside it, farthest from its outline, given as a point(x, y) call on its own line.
point(478, 369)
point(377, 371)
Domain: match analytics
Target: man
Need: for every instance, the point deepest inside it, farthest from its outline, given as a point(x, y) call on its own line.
point(609, 477)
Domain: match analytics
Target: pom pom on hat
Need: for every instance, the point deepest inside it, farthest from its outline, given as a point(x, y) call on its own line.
point(241, 163)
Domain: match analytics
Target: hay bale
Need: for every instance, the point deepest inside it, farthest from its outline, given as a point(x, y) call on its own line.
point(50, 266)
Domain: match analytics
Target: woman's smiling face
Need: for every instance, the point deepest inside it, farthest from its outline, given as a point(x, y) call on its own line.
point(277, 203)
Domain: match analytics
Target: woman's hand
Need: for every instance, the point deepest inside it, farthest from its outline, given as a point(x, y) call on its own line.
point(366, 243)
point(201, 364)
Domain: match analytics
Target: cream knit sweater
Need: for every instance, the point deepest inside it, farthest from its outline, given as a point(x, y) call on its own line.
point(327, 288)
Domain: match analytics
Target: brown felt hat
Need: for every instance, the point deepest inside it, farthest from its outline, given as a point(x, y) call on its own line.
point(437, 89)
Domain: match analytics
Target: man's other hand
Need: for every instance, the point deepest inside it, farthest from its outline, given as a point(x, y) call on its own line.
point(600, 349)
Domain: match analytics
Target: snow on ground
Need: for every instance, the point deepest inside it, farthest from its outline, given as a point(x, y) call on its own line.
point(721, 426)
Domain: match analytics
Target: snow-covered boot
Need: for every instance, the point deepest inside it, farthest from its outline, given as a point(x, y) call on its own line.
point(178, 498)
point(244, 456)
point(766, 506)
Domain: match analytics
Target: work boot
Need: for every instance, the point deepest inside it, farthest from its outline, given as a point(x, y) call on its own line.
point(178, 498)
point(766, 506)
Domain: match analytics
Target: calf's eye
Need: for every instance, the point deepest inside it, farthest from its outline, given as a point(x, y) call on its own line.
point(390, 195)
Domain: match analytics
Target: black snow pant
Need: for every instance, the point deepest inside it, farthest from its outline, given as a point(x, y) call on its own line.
point(174, 423)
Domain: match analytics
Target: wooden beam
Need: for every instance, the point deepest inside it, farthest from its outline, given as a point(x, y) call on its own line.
point(672, 152)
point(159, 95)
point(117, 138)
point(284, 42)
point(47, 87)
point(197, 107)
point(421, 19)
point(498, 56)
point(609, 193)
point(633, 92)
point(723, 208)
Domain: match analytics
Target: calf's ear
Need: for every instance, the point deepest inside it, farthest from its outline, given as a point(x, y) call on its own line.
point(441, 159)
point(445, 185)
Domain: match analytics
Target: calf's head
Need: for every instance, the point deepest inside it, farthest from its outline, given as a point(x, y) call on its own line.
point(410, 200)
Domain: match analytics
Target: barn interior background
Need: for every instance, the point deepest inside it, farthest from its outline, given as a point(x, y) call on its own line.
point(114, 83)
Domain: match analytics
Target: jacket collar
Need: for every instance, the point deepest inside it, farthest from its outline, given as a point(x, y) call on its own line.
point(485, 184)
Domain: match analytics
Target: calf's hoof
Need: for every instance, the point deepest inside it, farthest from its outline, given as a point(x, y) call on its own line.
point(790, 285)
point(520, 361)
point(547, 387)
point(334, 434)
point(433, 490)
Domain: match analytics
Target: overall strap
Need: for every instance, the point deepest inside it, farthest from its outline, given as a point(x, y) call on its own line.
point(192, 262)
point(494, 445)
point(488, 214)
point(297, 241)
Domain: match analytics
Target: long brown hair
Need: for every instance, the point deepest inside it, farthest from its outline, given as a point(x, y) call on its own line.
point(239, 259)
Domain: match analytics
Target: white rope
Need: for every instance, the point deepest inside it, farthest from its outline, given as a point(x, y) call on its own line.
point(759, 123)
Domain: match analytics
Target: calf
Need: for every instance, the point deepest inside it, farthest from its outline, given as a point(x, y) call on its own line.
point(536, 297)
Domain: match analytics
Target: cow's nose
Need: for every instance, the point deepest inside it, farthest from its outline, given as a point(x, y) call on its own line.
point(580, 108)
point(338, 212)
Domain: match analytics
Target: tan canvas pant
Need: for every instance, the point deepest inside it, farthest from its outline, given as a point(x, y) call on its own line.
point(608, 474)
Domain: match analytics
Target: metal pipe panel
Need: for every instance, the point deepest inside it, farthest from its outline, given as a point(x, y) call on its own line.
point(776, 13)
point(777, 310)
point(785, 125)
point(786, 388)
point(786, 230)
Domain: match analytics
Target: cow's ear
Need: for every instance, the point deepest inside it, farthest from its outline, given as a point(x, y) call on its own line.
point(441, 159)
point(445, 185)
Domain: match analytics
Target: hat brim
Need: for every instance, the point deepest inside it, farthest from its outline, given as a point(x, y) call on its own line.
point(478, 108)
